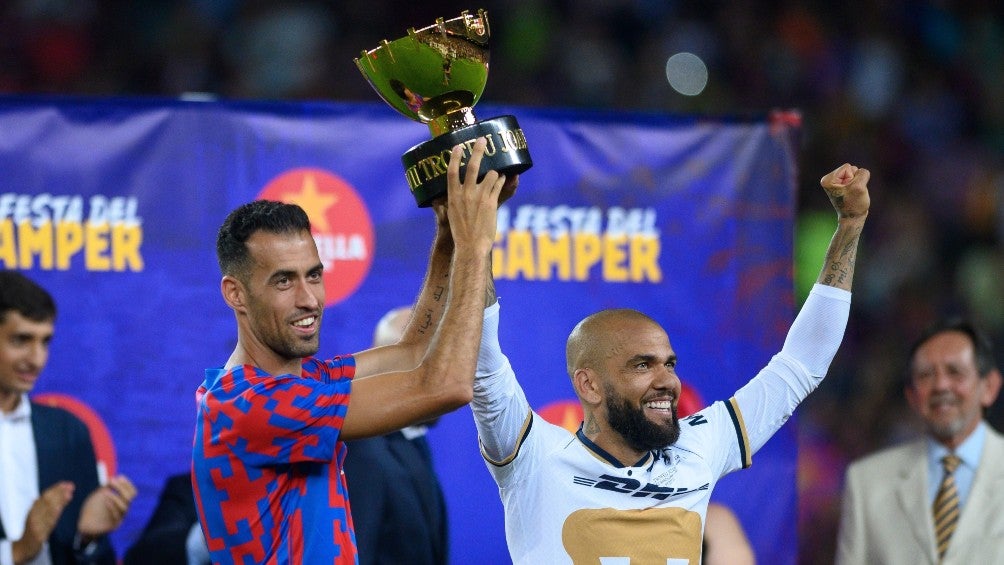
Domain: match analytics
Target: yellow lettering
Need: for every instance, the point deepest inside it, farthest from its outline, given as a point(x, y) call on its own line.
point(614, 257)
point(424, 163)
point(572, 257)
point(96, 248)
point(587, 251)
point(414, 181)
point(125, 248)
point(502, 142)
point(519, 260)
point(553, 252)
point(31, 241)
point(69, 240)
point(520, 139)
point(439, 164)
point(8, 249)
point(51, 246)
point(645, 259)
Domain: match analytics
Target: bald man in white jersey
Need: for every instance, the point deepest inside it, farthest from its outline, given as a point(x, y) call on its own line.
point(634, 482)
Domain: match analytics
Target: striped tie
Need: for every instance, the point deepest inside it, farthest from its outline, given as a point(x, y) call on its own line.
point(946, 505)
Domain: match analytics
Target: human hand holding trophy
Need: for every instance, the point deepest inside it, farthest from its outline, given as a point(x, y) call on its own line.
point(436, 75)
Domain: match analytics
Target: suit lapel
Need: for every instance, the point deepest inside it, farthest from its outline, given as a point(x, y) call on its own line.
point(414, 454)
point(46, 447)
point(913, 480)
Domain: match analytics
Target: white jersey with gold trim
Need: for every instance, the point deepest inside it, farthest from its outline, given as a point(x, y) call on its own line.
point(568, 501)
point(561, 486)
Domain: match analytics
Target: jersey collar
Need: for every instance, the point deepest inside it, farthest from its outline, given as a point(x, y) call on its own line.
point(602, 453)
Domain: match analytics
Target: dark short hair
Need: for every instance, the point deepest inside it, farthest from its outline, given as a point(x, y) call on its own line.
point(260, 215)
point(983, 348)
point(20, 294)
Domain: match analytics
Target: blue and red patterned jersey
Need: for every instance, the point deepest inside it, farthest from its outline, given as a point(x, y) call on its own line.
point(267, 462)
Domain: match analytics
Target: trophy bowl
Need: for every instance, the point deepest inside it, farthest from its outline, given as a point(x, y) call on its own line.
point(435, 75)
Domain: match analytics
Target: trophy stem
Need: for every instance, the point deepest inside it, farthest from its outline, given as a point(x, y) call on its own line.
point(451, 121)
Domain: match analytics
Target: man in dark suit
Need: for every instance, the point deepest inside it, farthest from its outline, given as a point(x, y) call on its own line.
point(52, 509)
point(397, 504)
point(173, 535)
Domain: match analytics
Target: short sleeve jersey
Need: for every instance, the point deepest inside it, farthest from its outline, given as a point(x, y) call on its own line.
point(561, 486)
point(267, 461)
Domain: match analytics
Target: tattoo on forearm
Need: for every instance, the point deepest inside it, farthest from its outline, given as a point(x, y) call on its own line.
point(426, 321)
point(840, 258)
point(437, 295)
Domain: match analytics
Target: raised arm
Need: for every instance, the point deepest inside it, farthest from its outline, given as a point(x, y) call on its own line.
point(426, 314)
point(443, 381)
point(431, 303)
point(770, 398)
point(847, 188)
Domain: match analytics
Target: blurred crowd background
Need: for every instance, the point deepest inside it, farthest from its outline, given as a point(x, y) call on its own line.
point(912, 90)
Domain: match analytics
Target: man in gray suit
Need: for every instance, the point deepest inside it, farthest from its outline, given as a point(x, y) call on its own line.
point(938, 500)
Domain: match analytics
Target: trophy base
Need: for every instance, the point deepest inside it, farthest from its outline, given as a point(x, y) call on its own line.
point(425, 164)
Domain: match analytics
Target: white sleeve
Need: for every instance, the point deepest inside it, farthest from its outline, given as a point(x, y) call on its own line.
point(500, 408)
point(767, 401)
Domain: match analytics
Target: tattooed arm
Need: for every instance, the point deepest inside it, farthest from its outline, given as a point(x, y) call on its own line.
point(426, 314)
point(438, 376)
point(847, 188)
point(771, 397)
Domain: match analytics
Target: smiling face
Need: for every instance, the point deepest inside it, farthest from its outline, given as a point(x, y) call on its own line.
point(946, 389)
point(280, 301)
point(24, 351)
point(624, 371)
point(641, 386)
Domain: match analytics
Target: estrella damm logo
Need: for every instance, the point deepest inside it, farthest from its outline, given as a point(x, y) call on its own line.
point(59, 232)
point(340, 224)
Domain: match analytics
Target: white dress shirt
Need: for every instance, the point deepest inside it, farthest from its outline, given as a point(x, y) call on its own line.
point(18, 479)
point(970, 452)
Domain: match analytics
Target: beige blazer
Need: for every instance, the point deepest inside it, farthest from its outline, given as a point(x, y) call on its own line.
point(886, 520)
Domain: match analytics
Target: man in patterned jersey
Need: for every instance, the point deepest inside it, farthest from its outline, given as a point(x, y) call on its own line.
point(268, 449)
point(631, 484)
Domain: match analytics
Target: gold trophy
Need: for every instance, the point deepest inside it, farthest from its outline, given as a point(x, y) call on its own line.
point(436, 75)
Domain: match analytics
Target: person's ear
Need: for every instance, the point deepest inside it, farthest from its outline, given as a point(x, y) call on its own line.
point(233, 293)
point(588, 386)
point(991, 388)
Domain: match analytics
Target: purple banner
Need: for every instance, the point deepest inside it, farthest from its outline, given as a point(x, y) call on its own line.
point(113, 205)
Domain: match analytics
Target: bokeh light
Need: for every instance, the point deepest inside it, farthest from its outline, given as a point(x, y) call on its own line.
point(687, 74)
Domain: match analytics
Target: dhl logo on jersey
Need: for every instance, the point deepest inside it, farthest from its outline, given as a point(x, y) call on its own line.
point(565, 243)
point(60, 232)
point(340, 223)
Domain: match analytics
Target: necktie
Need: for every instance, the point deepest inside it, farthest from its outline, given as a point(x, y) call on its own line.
point(946, 505)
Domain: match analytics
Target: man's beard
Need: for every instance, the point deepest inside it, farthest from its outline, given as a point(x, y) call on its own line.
point(951, 429)
point(638, 431)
